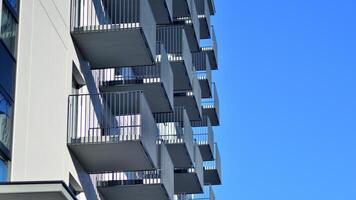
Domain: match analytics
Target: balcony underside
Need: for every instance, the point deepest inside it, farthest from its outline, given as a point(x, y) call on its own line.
point(181, 77)
point(205, 88)
point(212, 115)
point(160, 11)
point(204, 28)
point(114, 48)
point(120, 156)
point(193, 40)
point(212, 58)
point(134, 192)
point(187, 183)
point(180, 8)
point(155, 94)
point(179, 155)
point(206, 153)
point(190, 105)
point(211, 177)
point(35, 191)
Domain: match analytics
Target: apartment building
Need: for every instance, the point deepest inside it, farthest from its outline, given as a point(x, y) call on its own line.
point(108, 99)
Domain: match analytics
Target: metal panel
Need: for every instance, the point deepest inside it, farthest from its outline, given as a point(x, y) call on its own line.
point(198, 165)
point(167, 171)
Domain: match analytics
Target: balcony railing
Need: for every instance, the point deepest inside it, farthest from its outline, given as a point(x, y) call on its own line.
point(211, 107)
point(175, 41)
point(110, 118)
point(207, 195)
point(211, 47)
point(191, 99)
point(150, 79)
point(192, 26)
point(175, 128)
point(204, 18)
point(203, 73)
point(135, 184)
point(212, 169)
point(109, 23)
point(190, 180)
point(204, 137)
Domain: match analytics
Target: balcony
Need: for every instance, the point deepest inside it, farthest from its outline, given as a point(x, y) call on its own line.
point(203, 73)
point(211, 108)
point(212, 170)
point(174, 39)
point(139, 185)
point(191, 26)
point(211, 49)
point(211, 5)
point(162, 10)
point(101, 125)
point(204, 18)
point(190, 180)
point(204, 137)
point(207, 195)
point(191, 100)
point(112, 33)
point(176, 132)
point(53, 190)
point(156, 82)
point(181, 8)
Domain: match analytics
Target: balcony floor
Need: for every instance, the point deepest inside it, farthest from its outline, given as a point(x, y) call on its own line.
point(181, 77)
point(212, 58)
point(204, 28)
point(160, 11)
point(205, 88)
point(134, 192)
point(119, 156)
point(191, 106)
point(206, 153)
point(35, 191)
point(211, 177)
point(179, 155)
point(211, 113)
point(187, 183)
point(155, 94)
point(114, 48)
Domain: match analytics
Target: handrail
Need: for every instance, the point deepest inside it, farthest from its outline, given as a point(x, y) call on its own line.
point(204, 135)
point(110, 117)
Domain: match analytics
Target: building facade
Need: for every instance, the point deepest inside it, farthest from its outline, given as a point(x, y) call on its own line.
point(108, 99)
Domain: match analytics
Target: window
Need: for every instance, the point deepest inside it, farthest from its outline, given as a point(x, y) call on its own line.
point(5, 122)
point(3, 171)
point(13, 4)
point(8, 30)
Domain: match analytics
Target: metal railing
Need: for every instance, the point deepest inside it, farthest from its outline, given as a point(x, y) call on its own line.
point(175, 128)
point(113, 15)
point(111, 118)
point(163, 175)
point(161, 72)
point(204, 135)
point(212, 102)
point(175, 41)
point(203, 11)
point(208, 194)
point(203, 73)
point(211, 44)
point(215, 164)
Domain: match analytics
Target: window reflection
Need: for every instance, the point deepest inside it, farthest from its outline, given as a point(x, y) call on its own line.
point(3, 171)
point(5, 122)
point(13, 4)
point(8, 30)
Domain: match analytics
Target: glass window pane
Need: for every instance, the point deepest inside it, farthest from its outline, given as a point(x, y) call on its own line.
point(3, 171)
point(8, 30)
point(5, 122)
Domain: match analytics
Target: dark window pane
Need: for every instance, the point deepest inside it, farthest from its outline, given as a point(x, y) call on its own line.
point(5, 122)
point(8, 30)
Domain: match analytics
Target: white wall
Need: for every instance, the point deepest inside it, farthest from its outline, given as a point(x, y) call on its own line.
point(44, 75)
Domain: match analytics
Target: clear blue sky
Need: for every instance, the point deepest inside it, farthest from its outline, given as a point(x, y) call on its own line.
point(287, 84)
